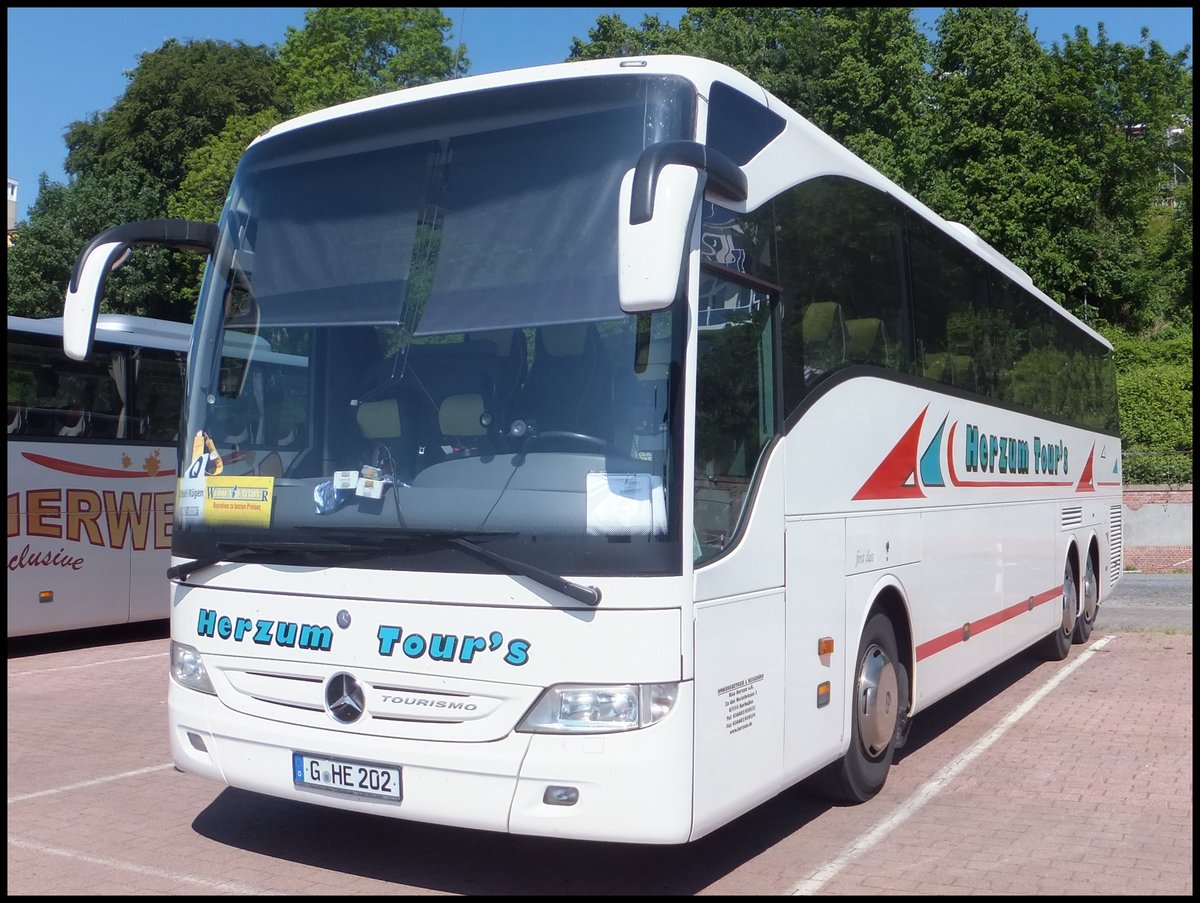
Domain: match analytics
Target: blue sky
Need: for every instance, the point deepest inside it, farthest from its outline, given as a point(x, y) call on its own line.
point(64, 64)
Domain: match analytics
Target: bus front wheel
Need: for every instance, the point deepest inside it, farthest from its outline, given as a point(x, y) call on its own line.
point(880, 706)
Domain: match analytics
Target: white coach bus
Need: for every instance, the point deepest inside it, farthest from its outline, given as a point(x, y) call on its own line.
point(659, 454)
point(91, 472)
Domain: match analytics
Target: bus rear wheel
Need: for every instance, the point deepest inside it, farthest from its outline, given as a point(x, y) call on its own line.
point(879, 710)
point(1089, 603)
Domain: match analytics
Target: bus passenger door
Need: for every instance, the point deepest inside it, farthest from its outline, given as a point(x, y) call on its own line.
point(738, 553)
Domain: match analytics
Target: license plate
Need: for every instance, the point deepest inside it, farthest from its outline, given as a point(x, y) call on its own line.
point(344, 776)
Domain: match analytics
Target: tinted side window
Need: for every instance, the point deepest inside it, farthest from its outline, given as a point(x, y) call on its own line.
point(950, 307)
point(841, 268)
point(739, 126)
point(735, 407)
point(50, 395)
point(1048, 365)
point(158, 394)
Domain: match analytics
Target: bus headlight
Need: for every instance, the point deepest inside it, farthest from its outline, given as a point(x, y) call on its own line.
point(187, 667)
point(599, 709)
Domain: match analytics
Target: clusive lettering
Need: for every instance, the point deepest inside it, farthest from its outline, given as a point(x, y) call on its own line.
point(447, 647)
point(27, 558)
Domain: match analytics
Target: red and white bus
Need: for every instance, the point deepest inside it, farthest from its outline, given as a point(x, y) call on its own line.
point(91, 472)
point(659, 453)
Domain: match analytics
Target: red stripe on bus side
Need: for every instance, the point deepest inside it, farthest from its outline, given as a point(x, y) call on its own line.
point(953, 637)
point(88, 470)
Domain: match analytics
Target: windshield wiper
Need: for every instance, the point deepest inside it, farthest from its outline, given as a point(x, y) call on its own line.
point(588, 595)
point(370, 540)
point(241, 550)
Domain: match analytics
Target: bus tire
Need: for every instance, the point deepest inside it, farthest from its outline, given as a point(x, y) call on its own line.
point(1055, 647)
point(1089, 602)
point(879, 710)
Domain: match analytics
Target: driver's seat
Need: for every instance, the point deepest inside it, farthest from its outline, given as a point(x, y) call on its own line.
point(461, 424)
point(563, 389)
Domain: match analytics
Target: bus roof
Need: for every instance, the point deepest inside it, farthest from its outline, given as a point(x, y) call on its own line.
point(823, 154)
point(147, 332)
point(121, 329)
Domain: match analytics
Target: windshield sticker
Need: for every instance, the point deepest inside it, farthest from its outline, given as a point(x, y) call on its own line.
point(625, 503)
point(206, 496)
point(238, 501)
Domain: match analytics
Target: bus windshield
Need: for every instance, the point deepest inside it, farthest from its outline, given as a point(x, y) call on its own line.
point(447, 274)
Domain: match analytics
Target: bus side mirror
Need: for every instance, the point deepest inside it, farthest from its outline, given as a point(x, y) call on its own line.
point(104, 254)
point(651, 254)
point(82, 303)
point(659, 198)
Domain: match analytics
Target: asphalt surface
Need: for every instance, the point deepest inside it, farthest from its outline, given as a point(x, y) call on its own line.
point(1148, 602)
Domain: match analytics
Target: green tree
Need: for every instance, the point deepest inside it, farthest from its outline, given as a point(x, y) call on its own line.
point(1175, 255)
point(61, 222)
point(177, 97)
point(612, 38)
point(1154, 384)
point(874, 85)
point(209, 168)
point(346, 53)
point(992, 164)
point(1121, 110)
point(123, 165)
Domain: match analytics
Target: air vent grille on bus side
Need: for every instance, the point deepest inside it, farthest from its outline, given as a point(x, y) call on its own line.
point(1116, 550)
point(1072, 517)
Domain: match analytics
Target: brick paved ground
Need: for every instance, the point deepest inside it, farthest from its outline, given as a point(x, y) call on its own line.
point(1089, 791)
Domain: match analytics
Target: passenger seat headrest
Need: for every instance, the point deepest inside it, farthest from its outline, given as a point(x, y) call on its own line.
point(379, 419)
point(459, 415)
point(567, 340)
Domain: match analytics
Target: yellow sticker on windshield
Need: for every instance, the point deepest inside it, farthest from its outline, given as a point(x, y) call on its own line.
point(238, 501)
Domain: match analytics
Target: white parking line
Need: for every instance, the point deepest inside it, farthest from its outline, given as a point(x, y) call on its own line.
point(830, 870)
point(111, 661)
point(208, 884)
point(82, 784)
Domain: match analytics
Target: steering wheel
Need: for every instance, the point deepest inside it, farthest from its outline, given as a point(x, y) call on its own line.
point(568, 435)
